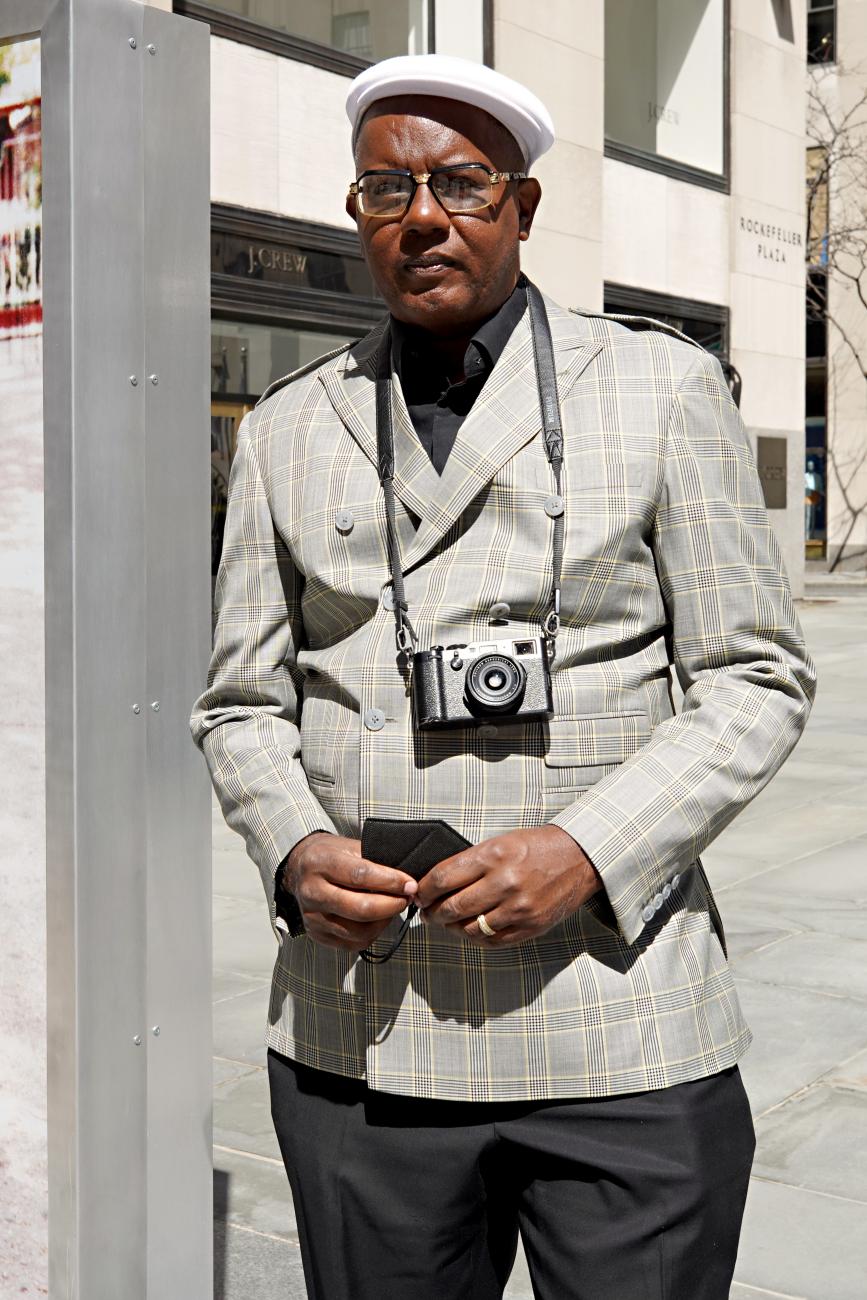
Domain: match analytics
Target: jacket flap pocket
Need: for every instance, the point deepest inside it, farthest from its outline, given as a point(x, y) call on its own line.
point(596, 739)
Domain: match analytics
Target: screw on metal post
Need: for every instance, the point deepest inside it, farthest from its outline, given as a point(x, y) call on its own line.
point(156, 706)
point(136, 708)
point(152, 49)
point(133, 379)
point(132, 42)
point(154, 379)
point(156, 1031)
point(137, 1040)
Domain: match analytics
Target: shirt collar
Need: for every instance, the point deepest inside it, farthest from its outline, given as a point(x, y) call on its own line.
point(484, 349)
point(494, 334)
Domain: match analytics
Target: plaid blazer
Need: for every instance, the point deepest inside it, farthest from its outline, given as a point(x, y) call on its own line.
point(669, 561)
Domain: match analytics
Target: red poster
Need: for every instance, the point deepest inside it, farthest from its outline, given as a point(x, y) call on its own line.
point(20, 191)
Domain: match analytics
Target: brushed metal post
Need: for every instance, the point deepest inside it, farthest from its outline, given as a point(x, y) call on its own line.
point(176, 261)
point(127, 595)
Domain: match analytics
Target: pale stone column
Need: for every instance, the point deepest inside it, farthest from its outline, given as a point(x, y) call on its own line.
point(557, 50)
point(768, 102)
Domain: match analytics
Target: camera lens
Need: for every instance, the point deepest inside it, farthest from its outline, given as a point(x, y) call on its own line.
point(495, 683)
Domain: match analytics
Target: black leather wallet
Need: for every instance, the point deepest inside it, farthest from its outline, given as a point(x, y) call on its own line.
point(410, 846)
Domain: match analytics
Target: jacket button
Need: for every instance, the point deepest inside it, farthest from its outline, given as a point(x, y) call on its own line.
point(554, 506)
point(658, 901)
point(648, 914)
point(675, 881)
point(374, 719)
point(666, 891)
point(344, 521)
point(500, 609)
point(388, 599)
point(487, 731)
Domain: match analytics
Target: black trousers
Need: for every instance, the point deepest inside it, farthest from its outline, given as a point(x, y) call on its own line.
point(635, 1197)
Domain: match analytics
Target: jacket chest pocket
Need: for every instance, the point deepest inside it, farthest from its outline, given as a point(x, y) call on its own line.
point(581, 750)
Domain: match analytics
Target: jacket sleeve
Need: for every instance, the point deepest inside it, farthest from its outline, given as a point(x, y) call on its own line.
point(246, 720)
point(738, 652)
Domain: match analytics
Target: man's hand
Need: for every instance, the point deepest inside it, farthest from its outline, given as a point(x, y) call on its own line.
point(523, 882)
point(345, 901)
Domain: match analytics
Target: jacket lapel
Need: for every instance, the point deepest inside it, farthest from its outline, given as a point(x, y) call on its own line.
point(503, 419)
point(350, 383)
point(351, 389)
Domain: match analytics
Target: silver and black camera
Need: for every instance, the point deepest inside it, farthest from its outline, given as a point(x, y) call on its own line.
point(491, 681)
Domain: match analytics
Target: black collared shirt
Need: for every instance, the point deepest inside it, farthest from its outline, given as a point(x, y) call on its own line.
point(437, 407)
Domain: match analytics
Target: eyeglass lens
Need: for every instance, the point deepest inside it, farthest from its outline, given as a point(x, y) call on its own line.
point(465, 189)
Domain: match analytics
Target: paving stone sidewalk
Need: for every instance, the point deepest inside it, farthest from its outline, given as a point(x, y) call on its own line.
point(790, 876)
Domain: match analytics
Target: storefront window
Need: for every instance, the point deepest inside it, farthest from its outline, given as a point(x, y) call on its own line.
point(705, 323)
point(815, 520)
point(377, 31)
point(664, 80)
point(245, 359)
point(821, 31)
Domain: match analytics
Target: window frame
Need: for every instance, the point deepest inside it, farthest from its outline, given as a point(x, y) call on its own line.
point(719, 181)
point(234, 27)
point(232, 398)
point(827, 6)
point(631, 300)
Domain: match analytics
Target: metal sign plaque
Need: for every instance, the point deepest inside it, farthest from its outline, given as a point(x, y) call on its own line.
point(771, 461)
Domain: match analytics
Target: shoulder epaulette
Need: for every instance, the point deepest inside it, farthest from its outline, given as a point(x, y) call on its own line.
point(639, 323)
point(302, 370)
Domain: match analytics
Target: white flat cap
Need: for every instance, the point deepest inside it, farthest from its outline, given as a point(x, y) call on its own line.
point(521, 112)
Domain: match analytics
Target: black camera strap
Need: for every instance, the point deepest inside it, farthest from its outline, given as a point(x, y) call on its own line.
point(404, 631)
point(552, 430)
point(546, 383)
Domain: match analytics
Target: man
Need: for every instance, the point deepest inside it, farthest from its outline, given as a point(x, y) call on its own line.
point(552, 1046)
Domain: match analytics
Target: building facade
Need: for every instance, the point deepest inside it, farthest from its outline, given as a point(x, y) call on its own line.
point(836, 468)
point(675, 187)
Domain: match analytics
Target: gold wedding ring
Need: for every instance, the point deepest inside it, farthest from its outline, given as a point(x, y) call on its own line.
point(487, 930)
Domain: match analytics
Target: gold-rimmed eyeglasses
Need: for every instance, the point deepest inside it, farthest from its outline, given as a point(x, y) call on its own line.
point(464, 187)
